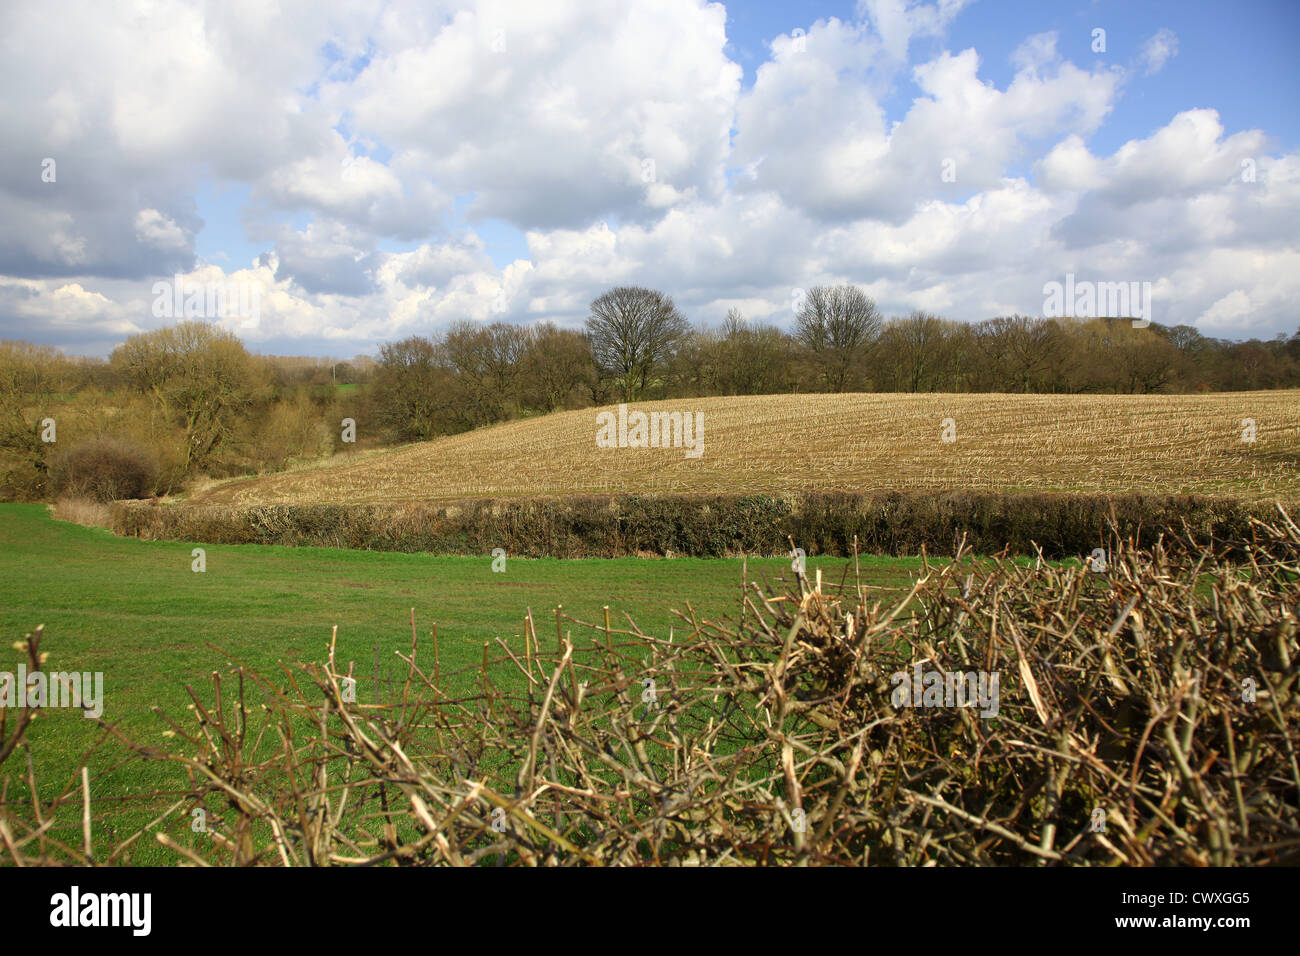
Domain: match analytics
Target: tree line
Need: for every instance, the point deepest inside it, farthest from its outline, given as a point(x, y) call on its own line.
point(637, 345)
point(168, 406)
point(189, 400)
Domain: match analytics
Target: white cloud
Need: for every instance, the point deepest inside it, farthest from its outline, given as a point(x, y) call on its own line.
point(618, 141)
point(436, 265)
point(154, 229)
point(1036, 52)
point(897, 22)
point(1160, 189)
point(1227, 310)
point(812, 131)
point(1159, 50)
point(553, 129)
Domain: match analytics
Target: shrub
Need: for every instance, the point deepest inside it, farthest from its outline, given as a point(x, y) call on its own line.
point(833, 524)
point(83, 511)
point(1115, 721)
point(105, 468)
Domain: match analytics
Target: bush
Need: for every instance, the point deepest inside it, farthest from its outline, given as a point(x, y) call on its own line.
point(82, 511)
point(1069, 717)
point(899, 523)
point(104, 469)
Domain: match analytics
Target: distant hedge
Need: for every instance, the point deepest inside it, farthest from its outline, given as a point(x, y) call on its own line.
point(896, 523)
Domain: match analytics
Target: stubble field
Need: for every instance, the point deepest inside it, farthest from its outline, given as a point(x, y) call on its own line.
point(787, 444)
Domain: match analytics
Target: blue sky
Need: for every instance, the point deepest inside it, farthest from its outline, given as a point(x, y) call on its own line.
point(384, 168)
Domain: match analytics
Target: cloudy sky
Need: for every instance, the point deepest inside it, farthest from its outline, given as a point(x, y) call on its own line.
point(373, 170)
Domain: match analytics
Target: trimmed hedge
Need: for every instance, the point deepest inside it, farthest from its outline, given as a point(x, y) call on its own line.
point(896, 523)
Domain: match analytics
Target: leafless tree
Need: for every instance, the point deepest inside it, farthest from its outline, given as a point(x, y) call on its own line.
point(633, 331)
point(755, 359)
point(411, 388)
point(1017, 351)
point(919, 352)
point(837, 325)
point(556, 365)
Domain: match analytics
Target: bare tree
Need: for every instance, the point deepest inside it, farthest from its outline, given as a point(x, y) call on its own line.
point(557, 363)
point(411, 388)
point(695, 365)
point(918, 352)
point(199, 374)
point(837, 325)
point(632, 332)
point(1017, 351)
point(487, 360)
point(754, 359)
point(1146, 360)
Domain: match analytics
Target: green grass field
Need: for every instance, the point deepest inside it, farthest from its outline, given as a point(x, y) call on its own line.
point(136, 611)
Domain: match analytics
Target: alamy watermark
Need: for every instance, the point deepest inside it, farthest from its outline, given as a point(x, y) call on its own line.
point(56, 689)
point(651, 430)
point(75, 908)
point(947, 689)
point(1098, 300)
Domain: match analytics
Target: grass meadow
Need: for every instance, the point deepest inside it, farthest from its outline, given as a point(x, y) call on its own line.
point(136, 611)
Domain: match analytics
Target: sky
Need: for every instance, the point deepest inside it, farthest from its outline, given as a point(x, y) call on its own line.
point(350, 173)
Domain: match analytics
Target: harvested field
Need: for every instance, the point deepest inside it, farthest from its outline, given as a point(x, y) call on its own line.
point(786, 444)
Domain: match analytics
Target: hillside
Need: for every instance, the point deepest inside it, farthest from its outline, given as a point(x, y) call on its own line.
point(791, 443)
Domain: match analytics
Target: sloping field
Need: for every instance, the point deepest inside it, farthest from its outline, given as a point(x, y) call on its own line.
point(785, 444)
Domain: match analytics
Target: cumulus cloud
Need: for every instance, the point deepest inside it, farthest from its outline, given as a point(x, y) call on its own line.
point(812, 131)
point(397, 199)
point(377, 141)
point(433, 266)
point(553, 114)
point(1227, 310)
point(1156, 187)
point(154, 229)
point(328, 257)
